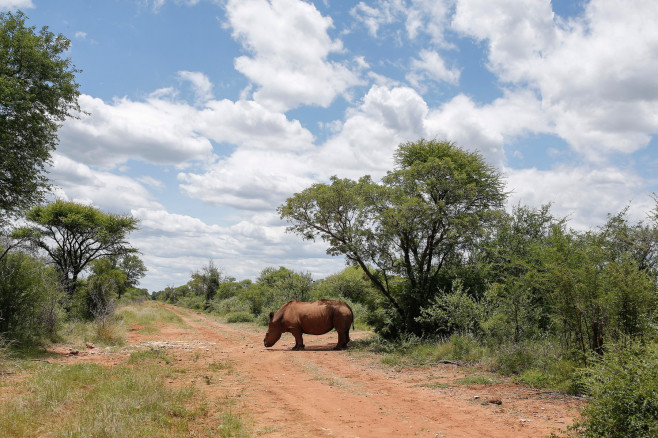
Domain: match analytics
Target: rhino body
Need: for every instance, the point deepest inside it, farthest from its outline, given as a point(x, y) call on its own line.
point(317, 318)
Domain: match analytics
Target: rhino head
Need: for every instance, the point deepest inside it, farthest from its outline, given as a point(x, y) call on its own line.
point(274, 331)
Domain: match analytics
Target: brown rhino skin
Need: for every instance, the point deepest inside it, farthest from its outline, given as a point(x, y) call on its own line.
point(317, 318)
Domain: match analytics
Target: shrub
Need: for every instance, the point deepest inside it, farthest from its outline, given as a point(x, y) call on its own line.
point(624, 395)
point(234, 317)
point(453, 312)
point(30, 297)
point(229, 305)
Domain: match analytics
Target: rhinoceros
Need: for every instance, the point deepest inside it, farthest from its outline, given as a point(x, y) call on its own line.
point(315, 318)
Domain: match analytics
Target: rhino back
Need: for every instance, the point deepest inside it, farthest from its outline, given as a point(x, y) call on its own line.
point(315, 318)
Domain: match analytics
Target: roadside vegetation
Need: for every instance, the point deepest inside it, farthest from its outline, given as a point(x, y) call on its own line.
point(436, 267)
point(519, 292)
point(42, 397)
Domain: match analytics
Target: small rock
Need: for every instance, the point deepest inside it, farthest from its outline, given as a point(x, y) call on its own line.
point(89, 345)
point(476, 397)
point(74, 352)
point(496, 401)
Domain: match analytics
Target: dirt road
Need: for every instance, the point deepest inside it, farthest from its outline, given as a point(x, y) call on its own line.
point(319, 392)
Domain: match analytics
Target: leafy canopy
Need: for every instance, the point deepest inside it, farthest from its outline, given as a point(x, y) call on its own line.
point(37, 92)
point(73, 235)
point(432, 207)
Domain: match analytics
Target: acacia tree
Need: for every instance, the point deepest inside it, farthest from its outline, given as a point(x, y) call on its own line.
point(73, 235)
point(403, 231)
point(37, 92)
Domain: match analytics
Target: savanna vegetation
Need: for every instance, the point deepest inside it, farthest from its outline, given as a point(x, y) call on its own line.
point(435, 266)
point(441, 271)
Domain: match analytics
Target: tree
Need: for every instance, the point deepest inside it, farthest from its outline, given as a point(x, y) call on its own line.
point(430, 209)
point(205, 282)
point(37, 92)
point(73, 235)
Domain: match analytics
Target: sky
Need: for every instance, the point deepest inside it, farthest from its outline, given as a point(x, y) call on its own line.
point(201, 117)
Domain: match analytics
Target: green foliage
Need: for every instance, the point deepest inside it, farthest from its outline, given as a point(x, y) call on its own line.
point(453, 312)
point(30, 309)
point(37, 93)
point(409, 350)
point(205, 283)
point(623, 388)
point(598, 296)
point(431, 209)
point(234, 317)
point(73, 235)
point(351, 284)
point(89, 400)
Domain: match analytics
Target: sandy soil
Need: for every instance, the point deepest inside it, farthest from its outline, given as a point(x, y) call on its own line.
point(320, 392)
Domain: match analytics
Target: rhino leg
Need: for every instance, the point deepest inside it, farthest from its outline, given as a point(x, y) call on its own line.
point(299, 341)
point(343, 339)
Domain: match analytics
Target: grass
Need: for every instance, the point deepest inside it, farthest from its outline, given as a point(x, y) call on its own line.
point(413, 352)
point(148, 315)
point(225, 365)
point(479, 379)
point(136, 398)
point(90, 400)
point(538, 364)
point(156, 355)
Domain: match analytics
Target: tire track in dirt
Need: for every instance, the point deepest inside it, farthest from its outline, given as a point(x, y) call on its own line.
point(319, 392)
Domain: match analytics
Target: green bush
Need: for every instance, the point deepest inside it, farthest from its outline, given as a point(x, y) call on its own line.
point(623, 390)
point(234, 317)
point(452, 312)
point(229, 305)
point(30, 299)
point(195, 302)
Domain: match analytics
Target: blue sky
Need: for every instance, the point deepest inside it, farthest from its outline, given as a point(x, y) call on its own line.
point(204, 116)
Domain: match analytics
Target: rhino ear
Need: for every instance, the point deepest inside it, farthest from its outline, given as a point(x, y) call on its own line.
point(271, 316)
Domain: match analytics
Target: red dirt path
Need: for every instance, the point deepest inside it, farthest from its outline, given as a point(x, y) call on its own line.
point(319, 392)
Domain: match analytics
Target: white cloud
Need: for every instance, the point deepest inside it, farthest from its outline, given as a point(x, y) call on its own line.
point(241, 250)
point(250, 179)
point(374, 17)
point(584, 194)
point(248, 123)
point(155, 131)
point(81, 35)
point(202, 86)
point(163, 130)
point(386, 117)
point(428, 17)
point(108, 191)
point(289, 45)
point(595, 74)
point(487, 128)
point(15, 4)
point(430, 66)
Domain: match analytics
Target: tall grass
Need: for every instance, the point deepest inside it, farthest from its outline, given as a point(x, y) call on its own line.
point(89, 400)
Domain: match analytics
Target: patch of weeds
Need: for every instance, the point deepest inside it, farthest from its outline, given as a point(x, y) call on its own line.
point(413, 351)
point(146, 314)
point(331, 381)
point(267, 430)
point(235, 317)
point(224, 365)
point(90, 400)
point(108, 332)
point(437, 385)
point(152, 354)
point(478, 380)
point(557, 375)
point(234, 425)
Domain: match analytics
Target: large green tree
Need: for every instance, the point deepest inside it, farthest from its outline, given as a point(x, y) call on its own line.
point(402, 232)
point(73, 235)
point(37, 93)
